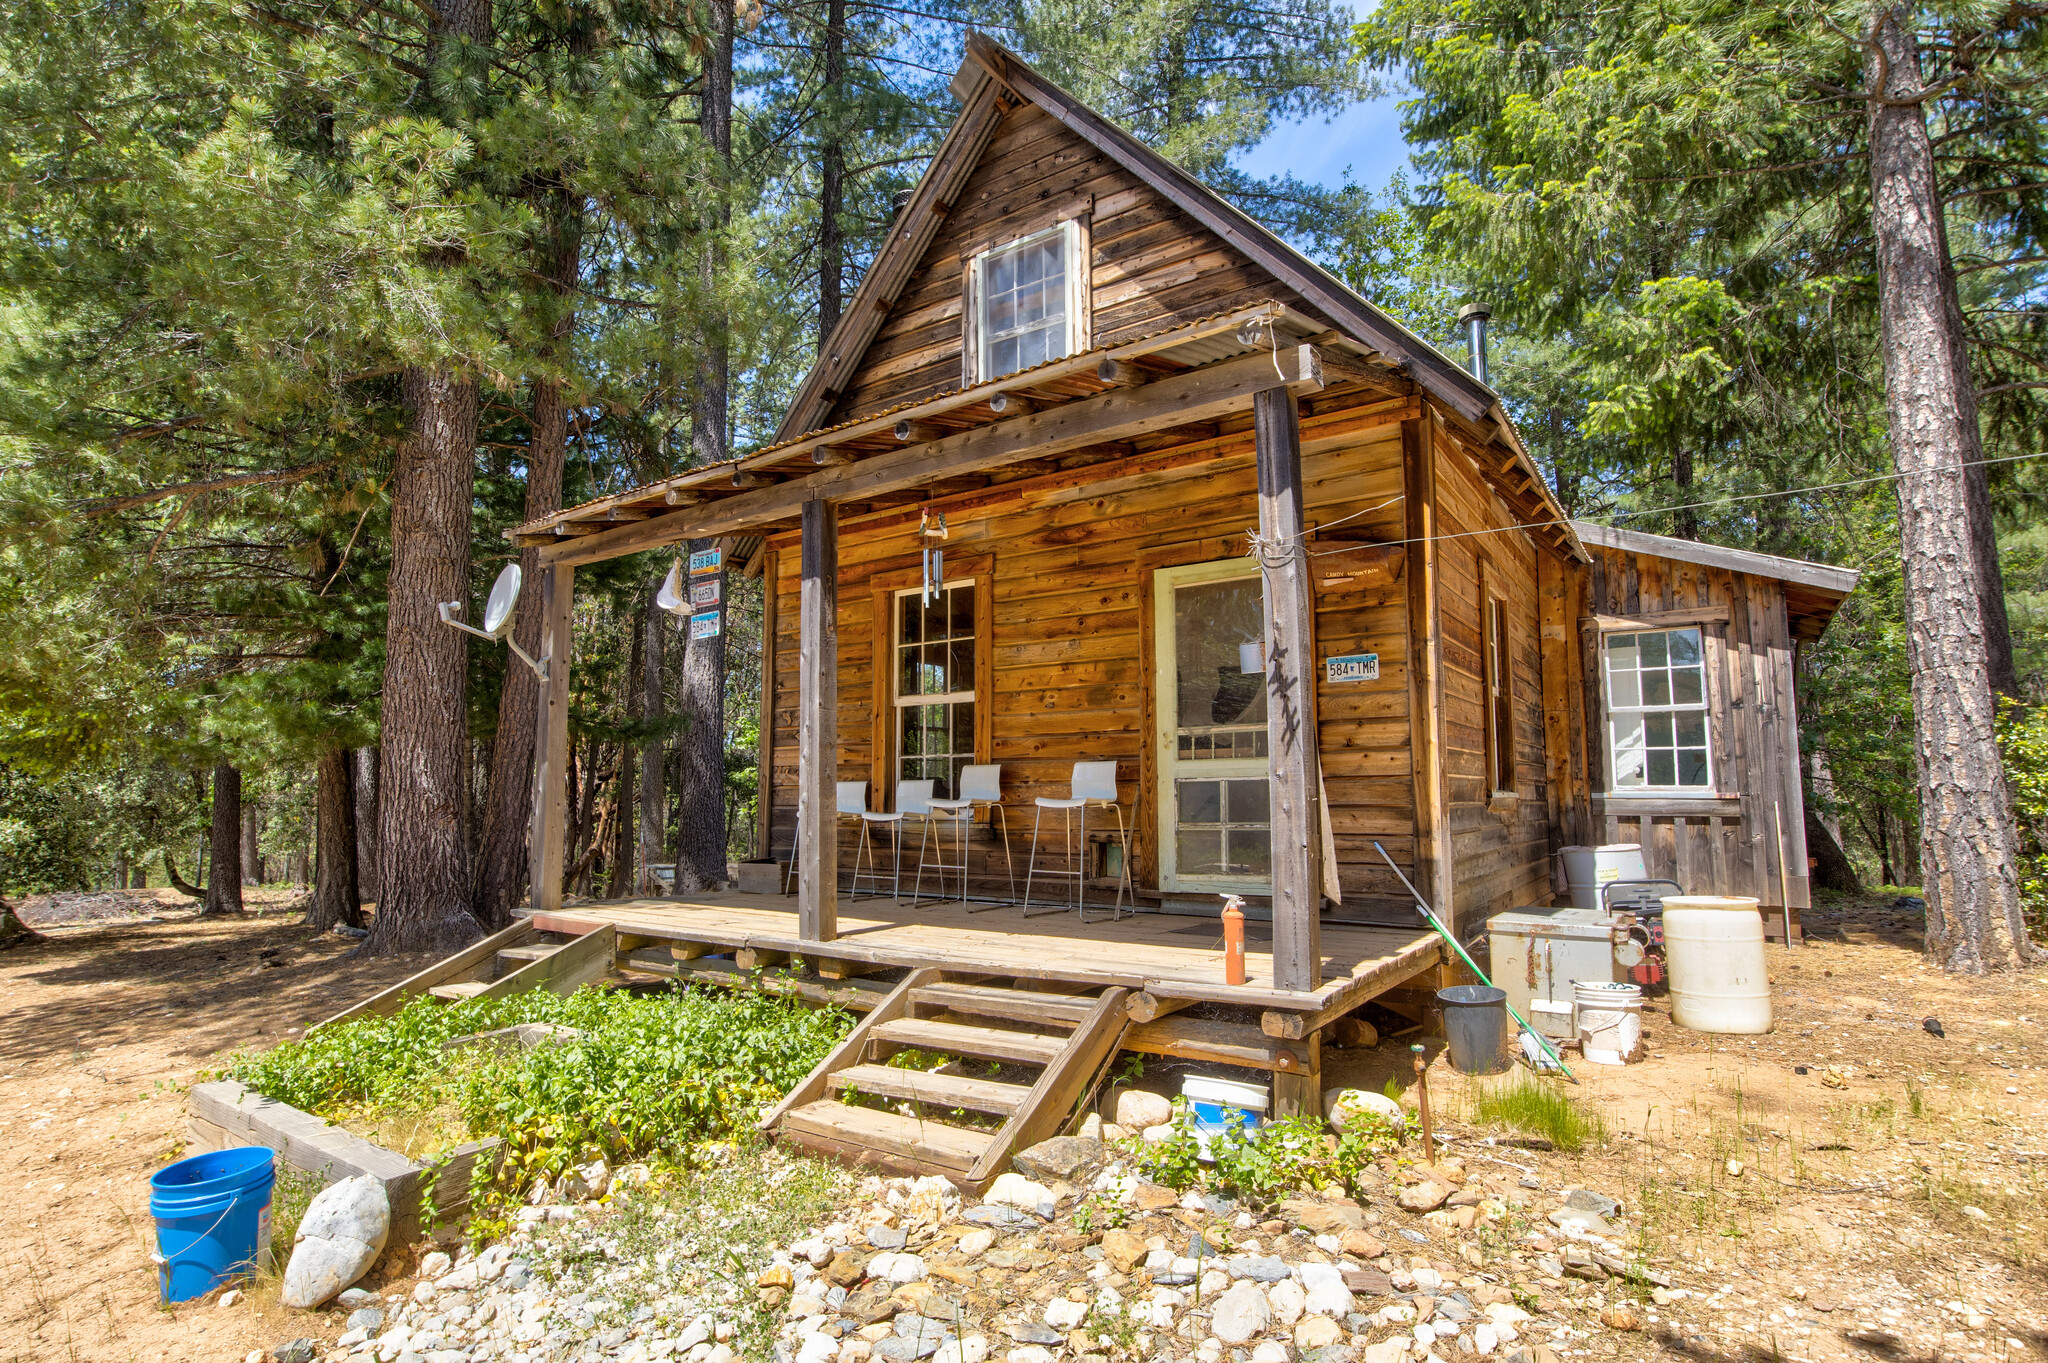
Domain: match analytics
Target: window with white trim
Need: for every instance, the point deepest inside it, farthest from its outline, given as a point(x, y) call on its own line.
point(935, 698)
point(1026, 302)
point(1657, 710)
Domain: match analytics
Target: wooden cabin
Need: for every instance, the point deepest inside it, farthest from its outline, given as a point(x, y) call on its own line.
point(1202, 512)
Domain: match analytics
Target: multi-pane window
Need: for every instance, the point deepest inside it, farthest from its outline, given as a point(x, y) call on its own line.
point(1224, 828)
point(1657, 710)
point(935, 686)
point(1025, 305)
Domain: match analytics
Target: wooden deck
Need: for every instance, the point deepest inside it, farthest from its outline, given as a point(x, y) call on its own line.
point(1167, 956)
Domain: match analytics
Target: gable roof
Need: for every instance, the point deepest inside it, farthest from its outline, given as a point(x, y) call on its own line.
point(1813, 591)
point(992, 78)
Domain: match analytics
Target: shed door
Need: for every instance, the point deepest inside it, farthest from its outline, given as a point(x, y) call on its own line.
point(1214, 832)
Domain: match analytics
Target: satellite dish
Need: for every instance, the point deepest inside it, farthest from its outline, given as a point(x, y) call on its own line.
point(504, 596)
point(671, 597)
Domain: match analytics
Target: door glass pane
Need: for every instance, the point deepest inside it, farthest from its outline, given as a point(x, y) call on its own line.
point(1201, 802)
point(1627, 743)
point(1198, 851)
point(1221, 707)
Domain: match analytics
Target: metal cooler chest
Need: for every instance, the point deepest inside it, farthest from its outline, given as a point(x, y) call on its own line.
point(1537, 954)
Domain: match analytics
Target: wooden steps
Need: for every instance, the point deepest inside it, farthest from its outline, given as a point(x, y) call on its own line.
point(467, 989)
point(856, 1107)
point(927, 1086)
point(510, 962)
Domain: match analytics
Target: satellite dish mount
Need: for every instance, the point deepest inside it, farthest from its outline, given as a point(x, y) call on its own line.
point(497, 618)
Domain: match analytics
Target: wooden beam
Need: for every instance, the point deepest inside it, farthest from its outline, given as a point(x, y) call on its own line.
point(817, 757)
point(547, 835)
point(1298, 1092)
point(910, 432)
point(1425, 719)
point(1196, 395)
point(1011, 405)
point(764, 788)
point(461, 965)
point(1291, 732)
point(1120, 374)
point(564, 970)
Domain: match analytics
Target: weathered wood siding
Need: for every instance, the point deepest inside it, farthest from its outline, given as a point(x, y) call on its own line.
point(1151, 265)
point(1737, 838)
point(1068, 559)
point(1500, 841)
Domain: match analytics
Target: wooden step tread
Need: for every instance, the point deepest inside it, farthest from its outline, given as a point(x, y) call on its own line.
point(468, 989)
point(938, 1144)
point(1018, 1005)
point(529, 953)
point(951, 1038)
point(923, 1086)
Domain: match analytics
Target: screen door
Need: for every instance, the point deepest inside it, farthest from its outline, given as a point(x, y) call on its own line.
point(1215, 832)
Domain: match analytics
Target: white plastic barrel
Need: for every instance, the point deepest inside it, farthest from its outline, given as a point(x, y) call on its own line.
point(1714, 946)
point(1586, 869)
point(1610, 1021)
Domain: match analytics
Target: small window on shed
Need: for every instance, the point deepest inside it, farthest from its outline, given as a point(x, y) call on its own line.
point(1657, 710)
point(1026, 303)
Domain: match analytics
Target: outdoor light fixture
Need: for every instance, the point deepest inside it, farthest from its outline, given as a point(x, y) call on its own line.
point(497, 618)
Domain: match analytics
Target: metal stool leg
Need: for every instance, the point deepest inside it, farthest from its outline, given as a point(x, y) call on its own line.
point(896, 860)
point(1031, 867)
point(1077, 863)
point(796, 840)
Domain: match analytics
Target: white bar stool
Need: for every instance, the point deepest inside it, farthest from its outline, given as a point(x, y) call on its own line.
point(1094, 787)
point(851, 802)
point(913, 801)
point(980, 787)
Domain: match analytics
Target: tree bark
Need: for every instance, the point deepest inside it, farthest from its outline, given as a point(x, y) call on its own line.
point(368, 762)
point(1833, 871)
point(653, 760)
point(336, 896)
point(423, 807)
point(1968, 846)
point(252, 844)
point(508, 807)
point(224, 884)
point(1685, 522)
point(178, 882)
point(14, 932)
point(700, 793)
point(832, 173)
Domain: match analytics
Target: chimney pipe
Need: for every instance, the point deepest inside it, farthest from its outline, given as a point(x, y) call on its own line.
point(1474, 317)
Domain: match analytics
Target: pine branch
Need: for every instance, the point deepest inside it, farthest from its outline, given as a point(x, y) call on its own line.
point(103, 506)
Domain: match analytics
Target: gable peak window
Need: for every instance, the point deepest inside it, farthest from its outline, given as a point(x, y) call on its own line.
point(1026, 302)
point(1657, 710)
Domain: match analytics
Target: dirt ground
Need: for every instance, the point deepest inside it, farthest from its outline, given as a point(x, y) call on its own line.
point(1901, 1217)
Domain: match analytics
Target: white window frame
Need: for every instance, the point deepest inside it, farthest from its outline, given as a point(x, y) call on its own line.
point(977, 340)
point(901, 702)
point(1703, 708)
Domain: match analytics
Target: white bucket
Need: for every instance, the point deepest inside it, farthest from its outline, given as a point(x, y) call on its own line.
point(1586, 869)
point(1223, 1105)
point(1610, 1021)
point(1714, 947)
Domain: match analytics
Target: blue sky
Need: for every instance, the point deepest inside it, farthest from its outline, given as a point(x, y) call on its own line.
point(1364, 140)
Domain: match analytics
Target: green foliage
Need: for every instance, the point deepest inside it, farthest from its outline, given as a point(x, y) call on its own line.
point(1263, 1163)
point(646, 1075)
point(1536, 1108)
point(1175, 1161)
point(2023, 741)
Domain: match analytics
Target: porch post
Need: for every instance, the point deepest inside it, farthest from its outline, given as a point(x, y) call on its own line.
point(547, 836)
point(1291, 733)
point(817, 758)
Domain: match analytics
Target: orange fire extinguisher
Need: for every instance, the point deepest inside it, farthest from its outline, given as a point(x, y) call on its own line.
point(1233, 940)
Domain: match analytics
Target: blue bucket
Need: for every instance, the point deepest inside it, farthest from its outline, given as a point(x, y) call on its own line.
point(212, 1218)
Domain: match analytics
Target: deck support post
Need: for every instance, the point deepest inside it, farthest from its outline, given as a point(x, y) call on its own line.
point(1299, 1092)
point(1291, 730)
point(817, 762)
point(1431, 860)
point(547, 836)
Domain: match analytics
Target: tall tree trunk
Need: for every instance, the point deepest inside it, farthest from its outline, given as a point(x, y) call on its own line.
point(653, 760)
point(700, 793)
point(832, 173)
point(252, 844)
point(336, 898)
point(624, 841)
point(14, 932)
point(508, 808)
point(423, 808)
point(369, 765)
point(1834, 871)
point(224, 883)
point(1968, 846)
point(1686, 520)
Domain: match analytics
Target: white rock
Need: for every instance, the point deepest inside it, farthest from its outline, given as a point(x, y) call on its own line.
point(1214, 1281)
point(1158, 1135)
point(1425, 1336)
point(1270, 1351)
point(1327, 1295)
point(720, 1353)
point(1241, 1312)
point(1343, 1107)
point(462, 1279)
point(1393, 1350)
point(229, 1297)
point(1506, 1313)
point(814, 1250)
point(972, 1349)
point(1329, 1244)
point(584, 1181)
point(1288, 1300)
point(694, 1334)
point(1015, 1190)
point(1484, 1339)
point(1399, 1313)
point(423, 1293)
point(816, 1348)
point(1317, 1332)
point(340, 1236)
point(1091, 1127)
point(1062, 1314)
point(1137, 1109)
point(434, 1263)
point(1029, 1353)
point(896, 1268)
point(352, 1338)
point(976, 1242)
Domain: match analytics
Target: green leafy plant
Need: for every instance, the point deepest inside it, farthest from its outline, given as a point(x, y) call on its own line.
point(1261, 1164)
point(1175, 1161)
point(1101, 1211)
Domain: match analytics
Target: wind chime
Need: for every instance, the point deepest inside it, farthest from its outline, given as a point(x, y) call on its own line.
point(931, 531)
